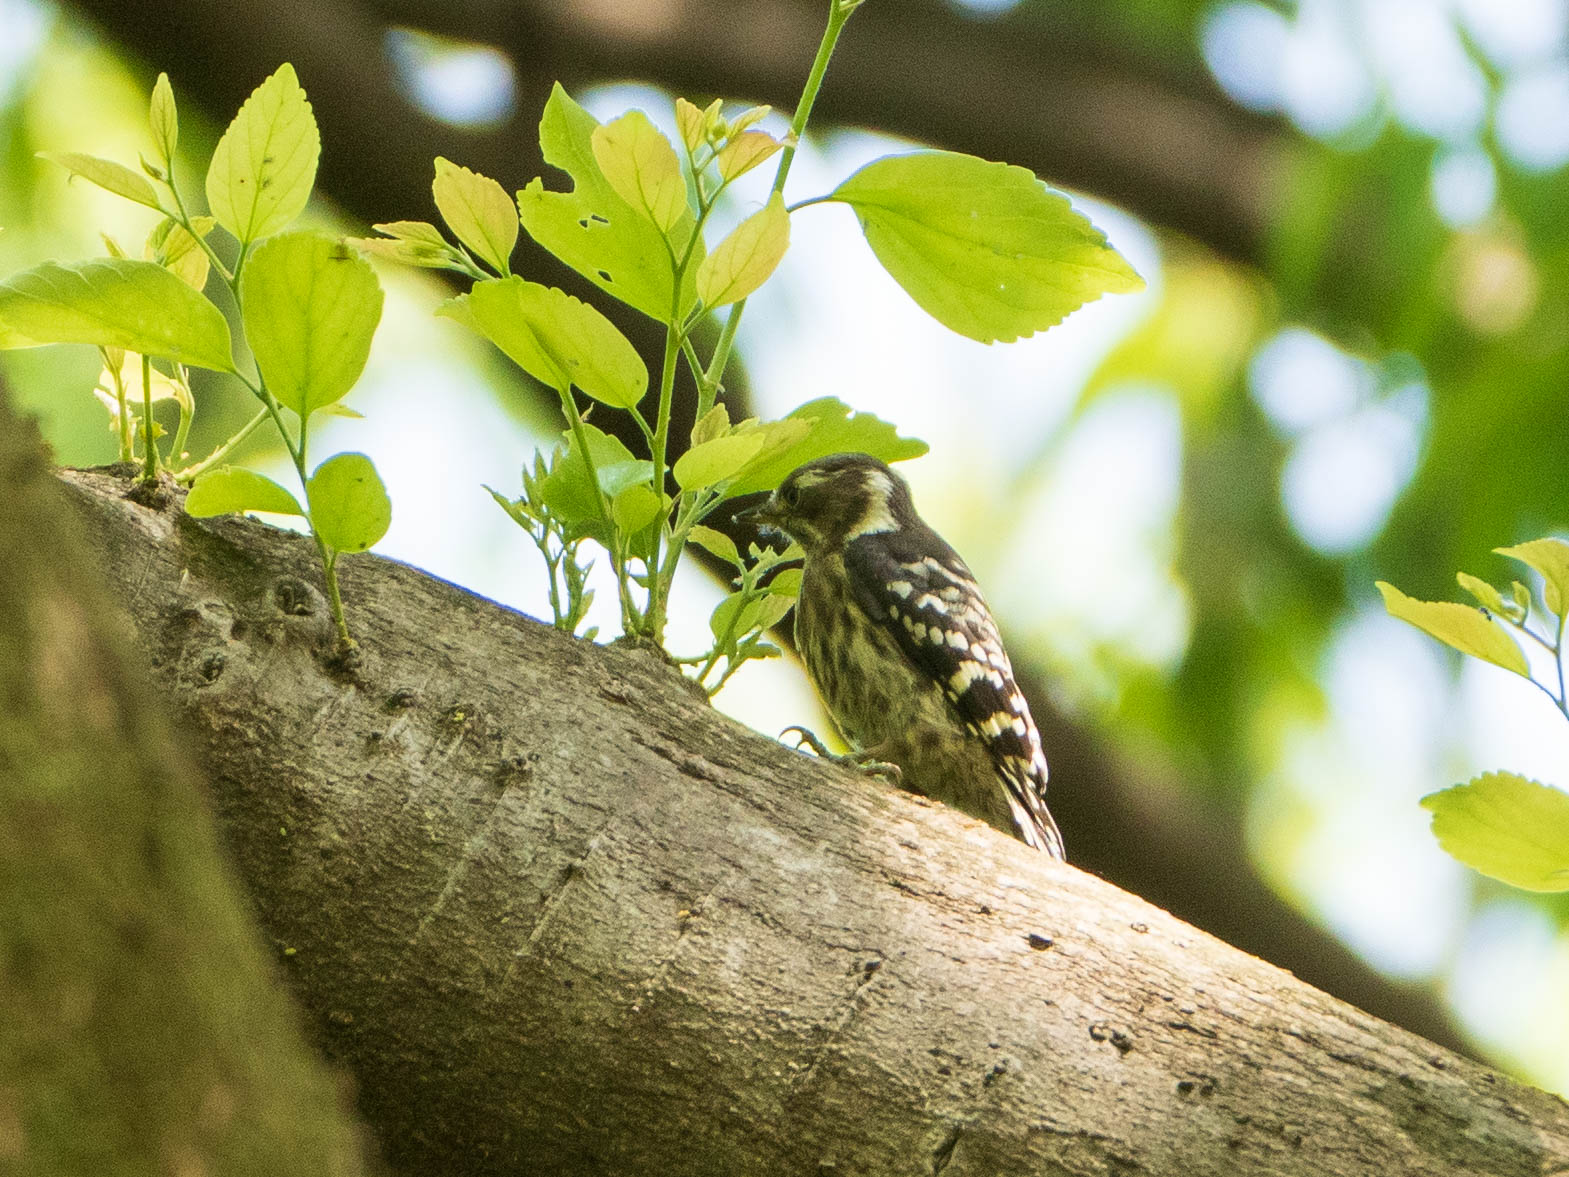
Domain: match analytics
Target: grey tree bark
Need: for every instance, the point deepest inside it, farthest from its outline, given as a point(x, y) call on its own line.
point(557, 915)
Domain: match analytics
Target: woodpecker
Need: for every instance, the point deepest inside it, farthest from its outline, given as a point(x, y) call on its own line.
point(902, 650)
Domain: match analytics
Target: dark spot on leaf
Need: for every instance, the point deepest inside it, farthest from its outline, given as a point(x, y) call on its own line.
point(604, 276)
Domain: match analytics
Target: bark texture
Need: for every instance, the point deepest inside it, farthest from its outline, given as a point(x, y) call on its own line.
point(142, 1028)
point(558, 916)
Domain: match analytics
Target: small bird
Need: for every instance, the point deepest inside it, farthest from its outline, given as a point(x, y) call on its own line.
point(902, 649)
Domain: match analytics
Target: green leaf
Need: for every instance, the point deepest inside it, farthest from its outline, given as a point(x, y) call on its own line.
point(1461, 626)
point(985, 248)
point(231, 489)
point(834, 430)
point(715, 461)
point(744, 152)
point(641, 165)
point(1550, 557)
point(164, 120)
point(1509, 828)
point(264, 166)
point(177, 250)
point(746, 258)
point(592, 229)
point(350, 510)
point(1485, 594)
point(760, 612)
point(787, 583)
point(114, 302)
point(108, 175)
point(715, 542)
point(635, 507)
point(571, 495)
point(1522, 600)
point(479, 211)
point(311, 305)
point(555, 338)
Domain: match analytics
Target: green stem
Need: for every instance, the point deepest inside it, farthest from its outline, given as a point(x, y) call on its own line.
point(329, 568)
point(192, 473)
point(127, 453)
point(149, 443)
point(839, 12)
point(1558, 657)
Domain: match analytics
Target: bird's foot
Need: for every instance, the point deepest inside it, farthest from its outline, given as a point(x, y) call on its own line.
point(865, 761)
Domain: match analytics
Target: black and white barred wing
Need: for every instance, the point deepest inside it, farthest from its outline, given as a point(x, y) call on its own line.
point(919, 588)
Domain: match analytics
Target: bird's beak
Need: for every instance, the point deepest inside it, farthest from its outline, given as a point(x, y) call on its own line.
point(763, 516)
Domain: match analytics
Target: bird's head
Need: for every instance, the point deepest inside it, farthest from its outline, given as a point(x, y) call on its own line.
point(828, 502)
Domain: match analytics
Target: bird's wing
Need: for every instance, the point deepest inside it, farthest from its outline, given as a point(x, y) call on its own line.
point(917, 586)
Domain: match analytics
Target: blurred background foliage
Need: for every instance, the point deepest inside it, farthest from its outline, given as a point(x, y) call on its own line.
point(1352, 363)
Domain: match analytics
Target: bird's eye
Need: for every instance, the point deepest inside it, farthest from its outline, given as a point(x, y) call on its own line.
point(791, 496)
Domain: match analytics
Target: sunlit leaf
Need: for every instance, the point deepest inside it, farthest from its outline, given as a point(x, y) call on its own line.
point(479, 211)
point(172, 247)
point(311, 305)
point(985, 248)
point(1550, 557)
point(787, 583)
point(108, 175)
point(716, 460)
point(691, 124)
point(745, 151)
point(834, 430)
point(113, 302)
point(231, 489)
point(350, 510)
point(1507, 827)
point(1465, 628)
point(638, 162)
point(746, 258)
point(1485, 594)
point(712, 424)
point(164, 120)
point(715, 542)
point(555, 338)
point(592, 229)
point(264, 166)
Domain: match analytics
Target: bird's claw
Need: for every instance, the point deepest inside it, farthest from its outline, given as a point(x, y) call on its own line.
point(862, 762)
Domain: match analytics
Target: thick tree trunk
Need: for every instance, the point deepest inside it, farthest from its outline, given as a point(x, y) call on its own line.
point(142, 1029)
point(559, 916)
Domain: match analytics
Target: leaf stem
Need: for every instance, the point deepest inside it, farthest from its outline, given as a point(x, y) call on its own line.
point(839, 12)
point(149, 442)
point(191, 473)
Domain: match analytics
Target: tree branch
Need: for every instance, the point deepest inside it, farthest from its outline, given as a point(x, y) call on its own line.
point(558, 916)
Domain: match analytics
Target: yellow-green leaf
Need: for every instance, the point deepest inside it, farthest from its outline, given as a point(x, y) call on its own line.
point(745, 151)
point(164, 120)
point(638, 162)
point(1464, 627)
point(715, 461)
point(114, 302)
point(479, 211)
point(230, 489)
point(715, 542)
point(1507, 827)
point(1550, 557)
point(592, 229)
point(1485, 594)
point(691, 123)
point(744, 260)
point(985, 248)
point(311, 305)
point(634, 508)
point(350, 510)
point(264, 166)
point(108, 175)
point(172, 247)
point(555, 338)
